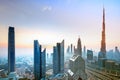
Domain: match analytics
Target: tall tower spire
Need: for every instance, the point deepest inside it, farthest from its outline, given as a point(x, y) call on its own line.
point(103, 41)
point(79, 47)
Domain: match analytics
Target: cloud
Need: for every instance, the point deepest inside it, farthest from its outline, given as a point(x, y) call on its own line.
point(46, 8)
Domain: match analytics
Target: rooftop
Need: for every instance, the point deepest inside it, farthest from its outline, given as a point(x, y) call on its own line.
point(70, 72)
point(74, 57)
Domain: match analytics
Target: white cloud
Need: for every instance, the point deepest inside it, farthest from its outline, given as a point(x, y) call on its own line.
point(46, 8)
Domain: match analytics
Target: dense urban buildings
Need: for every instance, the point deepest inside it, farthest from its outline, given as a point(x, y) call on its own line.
point(76, 69)
point(74, 64)
point(11, 50)
point(39, 61)
point(114, 54)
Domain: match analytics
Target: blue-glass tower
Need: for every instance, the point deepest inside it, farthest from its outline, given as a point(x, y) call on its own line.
point(58, 58)
point(37, 51)
point(43, 61)
point(11, 50)
point(62, 56)
point(39, 61)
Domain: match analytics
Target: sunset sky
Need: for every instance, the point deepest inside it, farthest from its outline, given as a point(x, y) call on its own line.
point(51, 21)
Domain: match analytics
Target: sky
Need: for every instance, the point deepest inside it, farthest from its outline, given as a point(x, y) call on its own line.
point(51, 21)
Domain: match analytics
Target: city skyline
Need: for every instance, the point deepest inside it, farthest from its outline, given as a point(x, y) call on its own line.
point(50, 23)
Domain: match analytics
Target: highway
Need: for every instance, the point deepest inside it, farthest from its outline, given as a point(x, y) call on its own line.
point(99, 75)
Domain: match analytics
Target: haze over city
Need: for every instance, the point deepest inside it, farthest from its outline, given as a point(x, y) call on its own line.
point(55, 20)
point(59, 40)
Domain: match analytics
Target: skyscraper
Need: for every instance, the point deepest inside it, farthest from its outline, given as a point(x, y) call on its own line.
point(102, 53)
point(89, 55)
point(68, 49)
point(58, 58)
point(55, 61)
point(37, 51)
point(43, 61)
point(103, 42)
point(84, 55)
point(11, 50)
point(78, 50)
point(71, 47)
point(62, 56)
point(39, 61)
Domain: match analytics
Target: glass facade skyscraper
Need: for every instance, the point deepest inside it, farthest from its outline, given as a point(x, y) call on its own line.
point(39, 61)
point(58, 58)
point(37, 49)
point(43, 60)
point(11, 49)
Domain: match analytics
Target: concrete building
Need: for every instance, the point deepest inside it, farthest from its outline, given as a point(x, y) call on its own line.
point(77, 68)
point(109, 65)
point(11, 50)
point(58, 58)
point(117, 66)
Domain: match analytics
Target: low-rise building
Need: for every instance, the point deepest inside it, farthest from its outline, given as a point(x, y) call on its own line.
point(109, 64)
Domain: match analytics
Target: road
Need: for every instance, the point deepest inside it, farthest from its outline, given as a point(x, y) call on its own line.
point(94, 74)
